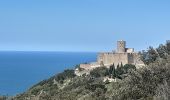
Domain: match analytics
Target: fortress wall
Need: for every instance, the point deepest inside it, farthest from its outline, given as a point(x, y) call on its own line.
point(131, 58)
point(122, 55)
point(110, 58)
point(116, 58)
point(134, 58)
point(85, 66)
point(106, 58)
point(137, 59)
point(119, 58)
point(89, 65)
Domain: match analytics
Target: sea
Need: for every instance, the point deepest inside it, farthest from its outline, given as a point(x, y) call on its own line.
point(19, 70)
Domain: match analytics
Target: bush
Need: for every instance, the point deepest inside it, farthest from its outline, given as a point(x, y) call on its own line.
point(116, 73)
point(99, 72)
point(64, 75)
point(144, 83)
point(127, 67)
point(93, 87)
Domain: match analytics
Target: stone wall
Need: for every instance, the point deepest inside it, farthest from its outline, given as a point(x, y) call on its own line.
point(131, 58)
point(137, 60)
point(110, 58)
point(85, 66)
point(89, 66)
point(122, 55)
point(118, 58)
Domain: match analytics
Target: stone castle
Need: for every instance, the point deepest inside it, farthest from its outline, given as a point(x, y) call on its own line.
point(121, 55)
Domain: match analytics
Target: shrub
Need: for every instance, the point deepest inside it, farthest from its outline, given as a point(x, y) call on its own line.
point(99, 72)
point(64, 75)
point(144, 83)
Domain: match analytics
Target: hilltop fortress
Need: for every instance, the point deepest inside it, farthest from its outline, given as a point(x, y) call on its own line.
point(121, 55)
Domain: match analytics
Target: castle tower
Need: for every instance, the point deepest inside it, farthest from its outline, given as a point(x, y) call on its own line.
point(121, 45)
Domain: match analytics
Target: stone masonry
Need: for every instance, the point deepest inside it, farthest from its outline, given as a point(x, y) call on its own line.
point(121, 55)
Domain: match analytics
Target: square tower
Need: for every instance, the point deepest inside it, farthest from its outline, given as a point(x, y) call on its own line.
point(121, 46)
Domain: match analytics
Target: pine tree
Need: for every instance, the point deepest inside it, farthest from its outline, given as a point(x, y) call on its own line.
point(168, 46)
point(119, 71)
point(111, 69)
point(114, 72)
point(162, 51)
point(150, 56)
point(121, 66)
point(118, 66)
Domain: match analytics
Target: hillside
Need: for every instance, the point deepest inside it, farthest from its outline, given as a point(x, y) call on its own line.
point(151, 82)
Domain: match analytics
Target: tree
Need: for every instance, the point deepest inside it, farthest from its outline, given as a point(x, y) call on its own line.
point(111, 69)
point(168, 46)
point(118, 66)
point(150, 56)
point(162, 51)
point(99, 72)
point(114, 72)
point(121, 65)
point(69, 73)
point(119, 70)
point(127, 67)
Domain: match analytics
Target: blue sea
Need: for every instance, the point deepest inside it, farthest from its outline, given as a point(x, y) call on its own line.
point(21, 70)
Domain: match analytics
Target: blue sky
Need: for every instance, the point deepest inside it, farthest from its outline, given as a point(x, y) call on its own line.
point(82, 25)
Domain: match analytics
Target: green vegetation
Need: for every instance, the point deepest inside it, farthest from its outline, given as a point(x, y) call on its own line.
point(99, 72)
point(120, 71)
point(152, 55)
point(151, 82)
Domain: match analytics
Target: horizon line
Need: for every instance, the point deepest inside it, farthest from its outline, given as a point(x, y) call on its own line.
point(42, 51)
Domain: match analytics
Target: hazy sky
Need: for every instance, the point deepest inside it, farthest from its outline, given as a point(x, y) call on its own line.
point(82, 25)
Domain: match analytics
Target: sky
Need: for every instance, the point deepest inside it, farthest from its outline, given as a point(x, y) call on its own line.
point(82, 25)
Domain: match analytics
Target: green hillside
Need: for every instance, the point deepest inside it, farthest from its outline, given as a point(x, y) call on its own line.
point(151, 82)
